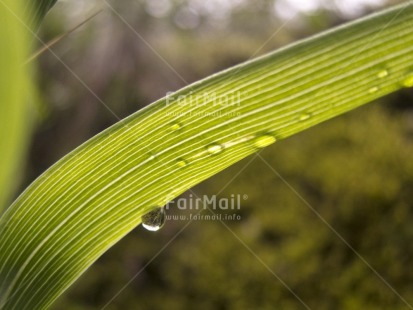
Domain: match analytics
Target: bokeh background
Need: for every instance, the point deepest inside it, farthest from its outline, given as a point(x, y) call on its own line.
point(332, 219)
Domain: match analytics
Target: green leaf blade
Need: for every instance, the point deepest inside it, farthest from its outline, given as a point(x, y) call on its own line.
point(91, 198)
point(14, 108)
point(40, 8)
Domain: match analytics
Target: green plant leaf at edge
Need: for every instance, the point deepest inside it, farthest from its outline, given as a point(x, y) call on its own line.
point(15, 89)
point(40, 8)
point(95, 195)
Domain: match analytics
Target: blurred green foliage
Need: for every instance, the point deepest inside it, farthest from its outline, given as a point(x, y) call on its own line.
point(356, 171)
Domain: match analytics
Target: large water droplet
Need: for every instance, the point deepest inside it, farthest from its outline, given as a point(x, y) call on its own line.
point(154, 220)
point(382, 74)
point(264, 140)
point(182, 162)
point(373, 90)
point(215, 148)
point(304, 116)
point(175, 126)
point(408, 82)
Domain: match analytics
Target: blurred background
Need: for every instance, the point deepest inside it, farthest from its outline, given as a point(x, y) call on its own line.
point(355, 171)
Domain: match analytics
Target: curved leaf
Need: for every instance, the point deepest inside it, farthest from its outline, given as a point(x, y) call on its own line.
point(95, 195)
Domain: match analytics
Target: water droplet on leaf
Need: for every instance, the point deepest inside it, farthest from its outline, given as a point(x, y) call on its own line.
point(215, 148)
point(373, 90)
point(382, 74)
point(264, 140)
point(304, 116)
point(408, 82)
point(175, 126)
point(154, 220)
point(182, 162)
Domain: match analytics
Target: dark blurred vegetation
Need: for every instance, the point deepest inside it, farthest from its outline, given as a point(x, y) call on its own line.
point(355, 171)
